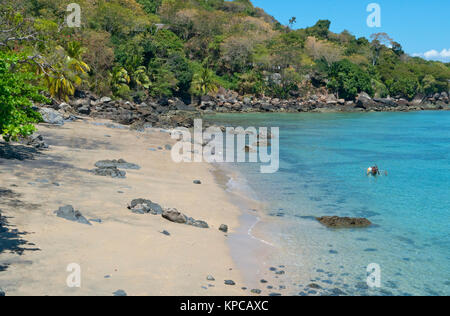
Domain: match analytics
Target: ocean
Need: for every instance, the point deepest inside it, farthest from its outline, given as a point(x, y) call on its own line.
point(323, 160)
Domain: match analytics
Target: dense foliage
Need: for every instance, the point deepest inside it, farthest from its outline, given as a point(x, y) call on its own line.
point(16, 96)
point(134, 49)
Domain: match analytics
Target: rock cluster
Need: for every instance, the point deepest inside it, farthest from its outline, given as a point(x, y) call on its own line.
point(145, 206)
point(343, 222)
point(174, 112)
point(110, 168)
point(232, 102)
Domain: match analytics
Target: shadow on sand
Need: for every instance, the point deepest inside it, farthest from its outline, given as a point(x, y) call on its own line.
point(17, 152)
point(11, 240)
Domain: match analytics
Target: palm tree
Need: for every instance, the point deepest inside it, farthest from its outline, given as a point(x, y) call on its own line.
point(140, 78)
point(67, 72)
point(204, 82)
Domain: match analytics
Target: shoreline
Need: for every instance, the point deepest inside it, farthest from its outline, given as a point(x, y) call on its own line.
point(252, 253)
point(120, 250)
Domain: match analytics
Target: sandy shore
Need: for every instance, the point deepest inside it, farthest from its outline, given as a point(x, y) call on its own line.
point(125, 251)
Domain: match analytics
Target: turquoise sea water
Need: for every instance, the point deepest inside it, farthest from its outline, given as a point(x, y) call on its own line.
point(323, 158)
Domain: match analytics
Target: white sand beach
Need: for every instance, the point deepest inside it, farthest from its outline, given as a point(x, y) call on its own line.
point(124, 251)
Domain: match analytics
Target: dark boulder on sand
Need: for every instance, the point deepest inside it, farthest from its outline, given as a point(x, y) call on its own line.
point(229, 282)
point(143, 206)
point(175, 216)
point(344, 222)
point(112, 172)
point(69, 213)
point(120, 293)
point(223, 228)
point(120, 164)
point(2, 293)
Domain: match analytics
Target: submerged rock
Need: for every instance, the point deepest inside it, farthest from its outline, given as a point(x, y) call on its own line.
point(120, 164)
point(343, 222)
point(112, 172)
point(69, 213)
point(314, 286)
point(2, 293)
point(143, 206)
point(256, 291)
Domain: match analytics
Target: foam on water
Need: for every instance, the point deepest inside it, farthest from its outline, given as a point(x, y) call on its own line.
point(322, 172)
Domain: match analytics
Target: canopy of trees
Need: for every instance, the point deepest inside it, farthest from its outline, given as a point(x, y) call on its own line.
point(135, 49)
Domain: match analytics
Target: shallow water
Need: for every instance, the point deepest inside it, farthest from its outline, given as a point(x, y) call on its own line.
point(323, 158)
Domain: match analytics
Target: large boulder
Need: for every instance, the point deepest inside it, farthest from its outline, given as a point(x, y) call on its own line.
point(343, 222)
point(364, 101)
point(51, 116)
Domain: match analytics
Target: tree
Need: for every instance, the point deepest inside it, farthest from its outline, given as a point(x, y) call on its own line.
point(67, 71)
point(204, 82)
point(379, 41)
point(16, 99)
point(251, 83)
point(347, 79)
point(292, 21)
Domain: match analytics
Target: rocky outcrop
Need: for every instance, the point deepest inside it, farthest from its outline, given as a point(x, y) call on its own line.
point(343, 222)
point(174, 112)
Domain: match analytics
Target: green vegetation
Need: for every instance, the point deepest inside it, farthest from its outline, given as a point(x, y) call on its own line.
point(16, 96)
point(134, 49)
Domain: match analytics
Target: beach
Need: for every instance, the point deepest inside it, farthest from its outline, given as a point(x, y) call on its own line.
point(120, 250)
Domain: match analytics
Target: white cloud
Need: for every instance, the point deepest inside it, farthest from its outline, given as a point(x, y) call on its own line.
point(433, 54)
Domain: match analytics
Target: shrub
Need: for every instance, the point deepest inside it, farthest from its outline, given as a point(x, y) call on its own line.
point(16, 99)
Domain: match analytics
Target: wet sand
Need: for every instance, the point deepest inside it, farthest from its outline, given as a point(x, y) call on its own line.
point(125, 251)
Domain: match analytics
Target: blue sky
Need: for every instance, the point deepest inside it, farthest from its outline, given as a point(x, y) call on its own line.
point(421, 26)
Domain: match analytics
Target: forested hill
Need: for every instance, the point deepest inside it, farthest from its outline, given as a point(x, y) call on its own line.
point(133, 49)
